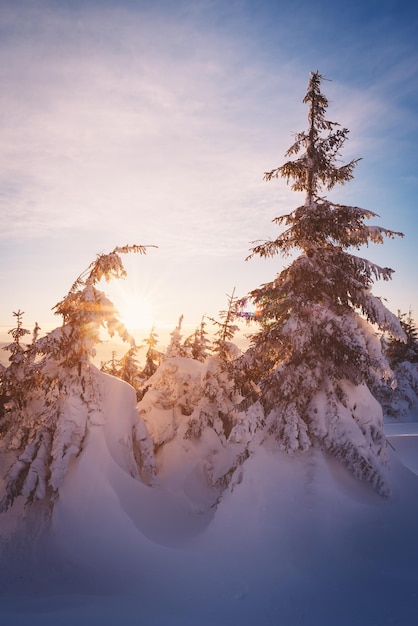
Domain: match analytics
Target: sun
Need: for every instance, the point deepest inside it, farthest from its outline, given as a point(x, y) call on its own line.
point(136, 311)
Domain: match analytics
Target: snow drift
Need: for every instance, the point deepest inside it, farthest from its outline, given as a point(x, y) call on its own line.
point(296, 540)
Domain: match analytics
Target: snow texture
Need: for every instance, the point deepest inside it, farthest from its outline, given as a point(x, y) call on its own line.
point(296, 540)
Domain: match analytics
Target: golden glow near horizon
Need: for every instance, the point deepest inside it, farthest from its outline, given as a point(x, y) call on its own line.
point(136, 311)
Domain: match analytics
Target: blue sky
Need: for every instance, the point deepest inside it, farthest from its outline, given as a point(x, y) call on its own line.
point(152, 122)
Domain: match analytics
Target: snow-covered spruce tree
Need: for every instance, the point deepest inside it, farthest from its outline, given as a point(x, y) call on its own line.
point(66, 398)
point(226, 329)
point(3, 398)
point(126, 368)
point(21, 374)
point(219, 399)
point(153, 356)
point(400, 397)
point(112, 366)
point(129, 368)
point(398, 351)
point(175, 347)
point(13, 384)
point(172, 385)
point(197, 346)
point(219, 409)
point(316, 347)
point(190, 407)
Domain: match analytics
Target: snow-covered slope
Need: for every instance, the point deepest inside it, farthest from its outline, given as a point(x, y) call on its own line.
point(298, 541)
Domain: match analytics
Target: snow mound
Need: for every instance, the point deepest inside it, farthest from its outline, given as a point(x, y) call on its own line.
point(296, 540)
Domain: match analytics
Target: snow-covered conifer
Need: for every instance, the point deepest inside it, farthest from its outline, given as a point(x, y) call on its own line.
point(170, 397)
point(21, 376)
point(218, 410)
point(175, 347)
point(399, 351)
point(86, 309)
point(15, 374)
point(198, 345)
point(191, 407)
point(317, 316)
point(222, 344)
point(47, 425)
point(129, 368)
point(153, 356)
point(112, 366)
point(400, 396)
point(126, 368)
point(217, 406)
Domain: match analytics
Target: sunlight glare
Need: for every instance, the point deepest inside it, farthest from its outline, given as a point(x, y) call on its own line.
point(136, 312)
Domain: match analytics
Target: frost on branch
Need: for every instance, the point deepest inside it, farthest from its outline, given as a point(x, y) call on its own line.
point(317, 336)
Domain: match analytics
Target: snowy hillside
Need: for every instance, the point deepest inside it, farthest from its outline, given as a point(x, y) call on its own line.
point(297, 541)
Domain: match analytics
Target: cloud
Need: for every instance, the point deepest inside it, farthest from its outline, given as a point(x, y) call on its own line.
point(125, 119)
point(154, 122)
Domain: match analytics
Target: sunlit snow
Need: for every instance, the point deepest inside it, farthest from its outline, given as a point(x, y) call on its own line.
point(296, 540)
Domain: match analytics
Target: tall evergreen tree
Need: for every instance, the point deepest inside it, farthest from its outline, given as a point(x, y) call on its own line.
point(316, 346)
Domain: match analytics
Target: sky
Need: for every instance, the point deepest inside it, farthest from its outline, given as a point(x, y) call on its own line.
point(152, 122)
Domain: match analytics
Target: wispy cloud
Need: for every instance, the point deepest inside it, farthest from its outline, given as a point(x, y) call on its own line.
point(154, 123)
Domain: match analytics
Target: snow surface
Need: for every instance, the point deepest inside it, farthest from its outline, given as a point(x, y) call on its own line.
point(298, 541)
